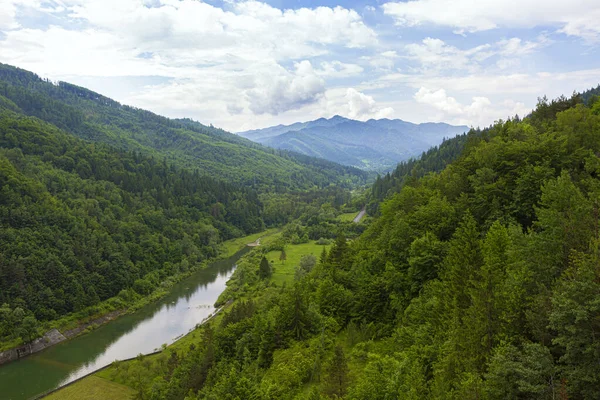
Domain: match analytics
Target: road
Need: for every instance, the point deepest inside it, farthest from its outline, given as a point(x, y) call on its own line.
point(360, 216)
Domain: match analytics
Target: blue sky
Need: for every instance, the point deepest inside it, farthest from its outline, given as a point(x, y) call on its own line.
point(250, 64)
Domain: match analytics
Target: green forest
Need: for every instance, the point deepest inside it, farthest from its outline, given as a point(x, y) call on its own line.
point(479, 281)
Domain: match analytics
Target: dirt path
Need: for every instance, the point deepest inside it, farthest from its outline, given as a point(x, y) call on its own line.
point(254, 244)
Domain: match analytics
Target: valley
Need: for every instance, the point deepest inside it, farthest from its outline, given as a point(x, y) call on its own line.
point(469, 270)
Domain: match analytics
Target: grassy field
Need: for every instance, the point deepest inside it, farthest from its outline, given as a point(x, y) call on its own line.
point(284, 271)
point(347, 217)
point(92, 388)
point(232, 246)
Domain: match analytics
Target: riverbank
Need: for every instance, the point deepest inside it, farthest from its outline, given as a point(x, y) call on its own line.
point(93, 317)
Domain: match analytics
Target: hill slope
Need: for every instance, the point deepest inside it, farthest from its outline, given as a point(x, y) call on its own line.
point(371, 145)
point(214, 152)
point(80, 221)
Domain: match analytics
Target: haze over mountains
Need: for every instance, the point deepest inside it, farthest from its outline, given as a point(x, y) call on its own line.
point(372, 145)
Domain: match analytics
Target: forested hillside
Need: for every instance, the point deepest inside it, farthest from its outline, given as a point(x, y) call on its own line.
point(433, 160)
point(481, 281)
point(183, 142)
point(79, 222)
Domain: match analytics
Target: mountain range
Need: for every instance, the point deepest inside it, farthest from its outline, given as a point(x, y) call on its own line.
point(372, 145)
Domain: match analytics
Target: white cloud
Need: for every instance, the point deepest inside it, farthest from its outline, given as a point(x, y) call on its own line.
point(250, 29)
point(285, 91)
point(8, 13)
point(515, 47)
point(439, 100)
point(351, 103)
point(435, 54)
point(180, 36)
point(479, 112)
point(248, 64)
point(337, 69)
point(9, 10)
point(362, 106)
point(540, 83)
point(575, 17)
point(384, 61)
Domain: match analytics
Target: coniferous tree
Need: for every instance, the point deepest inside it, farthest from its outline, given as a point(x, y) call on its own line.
point(264, 268)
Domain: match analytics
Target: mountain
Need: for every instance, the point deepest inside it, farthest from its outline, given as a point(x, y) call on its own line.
point(372, 145)
point(215, 152)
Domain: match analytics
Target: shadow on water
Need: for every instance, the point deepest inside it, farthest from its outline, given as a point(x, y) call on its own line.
point(188, 303)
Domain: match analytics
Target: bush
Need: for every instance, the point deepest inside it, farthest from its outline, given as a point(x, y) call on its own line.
point(323, 242)
point(143, 286)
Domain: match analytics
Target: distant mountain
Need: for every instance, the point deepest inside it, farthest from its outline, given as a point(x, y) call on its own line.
point(372, 145)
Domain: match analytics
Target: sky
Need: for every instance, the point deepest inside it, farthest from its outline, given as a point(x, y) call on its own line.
point(243, 65)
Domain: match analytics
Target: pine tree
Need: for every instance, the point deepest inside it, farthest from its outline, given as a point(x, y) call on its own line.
point(336, 380)
point(323, 257)
point(264, 270)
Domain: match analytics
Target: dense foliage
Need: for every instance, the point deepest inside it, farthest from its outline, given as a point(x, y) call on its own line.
point(183, 142)
point(433, 160)
point(481, 281)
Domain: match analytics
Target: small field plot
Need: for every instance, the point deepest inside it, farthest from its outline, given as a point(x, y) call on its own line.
point(92, 388)
point(284, 270)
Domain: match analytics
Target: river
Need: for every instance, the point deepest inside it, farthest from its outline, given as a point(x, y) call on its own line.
point(188, 303)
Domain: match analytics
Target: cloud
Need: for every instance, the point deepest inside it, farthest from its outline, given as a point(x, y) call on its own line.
point(351, 103)
point(8, 14)
point(247, 64)
point(337, 69)
point(576, 17)
point(477, 113)
point(181, 36)
point(285, 91)
point(10, 10)
point(249, 29)
point(439, 100)
point(362, 106)
point(435, 54)
point(538, 83)
point(384, 61)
